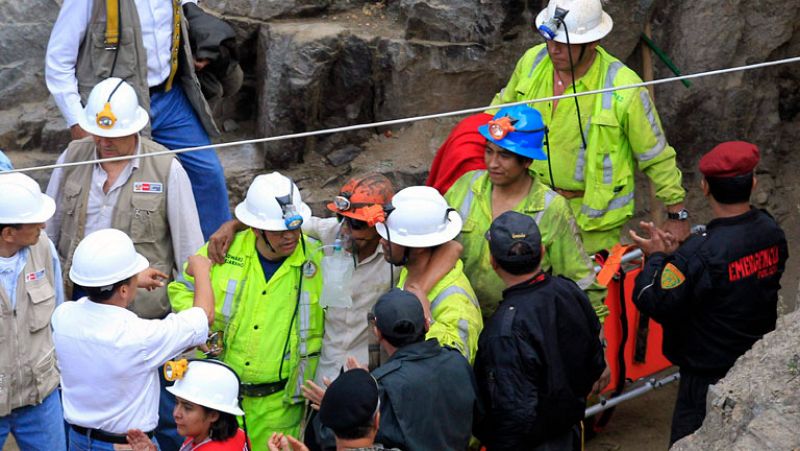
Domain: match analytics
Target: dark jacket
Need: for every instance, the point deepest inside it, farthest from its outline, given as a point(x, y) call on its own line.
point(538, 357)
point(428, 398)
point(718, 294)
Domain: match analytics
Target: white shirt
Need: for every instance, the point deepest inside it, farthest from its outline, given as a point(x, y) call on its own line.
point(184, 223)
point(109, 359)
point(11, 267)
point(156, 19)
point(346, 329)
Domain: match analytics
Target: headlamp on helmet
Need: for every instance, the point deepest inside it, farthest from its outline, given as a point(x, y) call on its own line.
point(291, 218)
point(106, 118)
point(501, 127)
point(175, 369)
point(549, 29)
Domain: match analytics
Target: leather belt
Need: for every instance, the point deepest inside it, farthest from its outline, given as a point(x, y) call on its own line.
point(158, 88)
point(570, 194)
point(97, 434)
point(261, 390)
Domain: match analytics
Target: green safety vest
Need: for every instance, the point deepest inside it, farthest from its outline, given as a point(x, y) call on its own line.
point(258, 316)
point(620, 127)
point(457, 320)
point(471, 195)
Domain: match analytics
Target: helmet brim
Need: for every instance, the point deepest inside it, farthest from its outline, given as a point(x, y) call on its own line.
point(46, 212)
point(451, 231)
point(509, 145)
point(135, 127)
point(194, 399)
point(595, 34)
point(271, 225)
point(134, 268)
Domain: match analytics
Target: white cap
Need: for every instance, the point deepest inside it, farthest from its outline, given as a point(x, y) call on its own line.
point(213, 385)
point(112, 110)
point(420, 218)
point(104, 258)
point(261, 208)
point(22, 201)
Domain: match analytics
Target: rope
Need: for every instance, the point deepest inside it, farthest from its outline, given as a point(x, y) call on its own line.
point(348, 128)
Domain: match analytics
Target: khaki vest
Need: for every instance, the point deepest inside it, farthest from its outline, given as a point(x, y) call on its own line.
point(95, 61)
point(142, 215)
point(28, 372)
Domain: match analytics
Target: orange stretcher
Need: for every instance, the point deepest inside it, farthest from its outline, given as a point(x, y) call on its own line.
point(634, 340)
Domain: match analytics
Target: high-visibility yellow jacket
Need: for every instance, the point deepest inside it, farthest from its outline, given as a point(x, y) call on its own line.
point(457, 320)
point(620, 127)
point(271, 332)
point(471, 195)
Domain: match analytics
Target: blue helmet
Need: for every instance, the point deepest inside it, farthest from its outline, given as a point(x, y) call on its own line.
point(518, 129)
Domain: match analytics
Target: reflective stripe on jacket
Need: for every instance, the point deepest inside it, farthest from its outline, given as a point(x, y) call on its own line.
point(258, 317)
point(564, 255)
point(455, 310)
point(620, 127)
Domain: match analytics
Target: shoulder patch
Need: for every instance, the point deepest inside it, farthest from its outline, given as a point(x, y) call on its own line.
point(671, 277)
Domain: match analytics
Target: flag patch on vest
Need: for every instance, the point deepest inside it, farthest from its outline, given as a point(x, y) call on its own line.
point(34, 276)
point(671, 277)
point(148, 187)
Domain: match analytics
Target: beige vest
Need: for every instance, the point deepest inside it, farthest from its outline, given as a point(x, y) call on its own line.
point(142, 215)
point(28, 370)
point(95, 61)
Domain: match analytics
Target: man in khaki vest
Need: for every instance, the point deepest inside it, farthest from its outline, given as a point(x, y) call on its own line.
point(30, 289)
point(150, 198)
point(147, 44)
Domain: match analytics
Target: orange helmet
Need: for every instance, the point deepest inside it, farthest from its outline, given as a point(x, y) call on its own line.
point(364, 198)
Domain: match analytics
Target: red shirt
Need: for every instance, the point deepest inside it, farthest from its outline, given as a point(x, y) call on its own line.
point(235, 443)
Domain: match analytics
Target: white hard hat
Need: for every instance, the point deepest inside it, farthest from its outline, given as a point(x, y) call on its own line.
point(585, 21)
point(273, 203)
point(113, 110)
point(420, 218)
point(211, 384)
point(22, 201)
point(104, 258)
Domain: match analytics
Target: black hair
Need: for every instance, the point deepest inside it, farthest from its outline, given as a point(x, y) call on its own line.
point(14, 226)
point(731, 190)
point(102, 294)
point(357, 432)
point(224, 428)
point(524, 161)
point(520, 266)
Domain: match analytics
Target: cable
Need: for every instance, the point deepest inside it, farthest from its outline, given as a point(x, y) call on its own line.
point(574, 89)
point(406, 120)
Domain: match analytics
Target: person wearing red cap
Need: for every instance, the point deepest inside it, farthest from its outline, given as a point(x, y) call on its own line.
point(717, 293)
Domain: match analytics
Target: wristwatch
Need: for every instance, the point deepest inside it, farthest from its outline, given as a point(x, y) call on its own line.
point(681, 215)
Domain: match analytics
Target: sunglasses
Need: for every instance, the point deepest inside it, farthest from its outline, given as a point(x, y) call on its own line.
point(355, 224)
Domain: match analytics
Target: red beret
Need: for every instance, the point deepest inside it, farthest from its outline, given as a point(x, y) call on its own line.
point(730, 159)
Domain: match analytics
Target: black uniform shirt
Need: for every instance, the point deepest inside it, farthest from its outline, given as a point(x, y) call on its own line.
point(718, 294)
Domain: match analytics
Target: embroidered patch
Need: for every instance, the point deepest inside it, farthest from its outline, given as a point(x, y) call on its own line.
point(309, 269)
point(671, 277)
point(148, 187)
point(34, 276)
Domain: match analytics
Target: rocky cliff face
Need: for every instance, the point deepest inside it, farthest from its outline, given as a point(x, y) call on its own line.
point(757, 405)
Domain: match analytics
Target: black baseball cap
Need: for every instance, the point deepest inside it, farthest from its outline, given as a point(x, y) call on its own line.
point(350, 401)
point(399, 316)
point(512, 229)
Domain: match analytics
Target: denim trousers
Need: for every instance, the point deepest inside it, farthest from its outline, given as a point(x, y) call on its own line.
point(79, 442)
point(176, 125)
point(36, 427)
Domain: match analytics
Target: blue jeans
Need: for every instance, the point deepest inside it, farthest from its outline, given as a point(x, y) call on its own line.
point(176, 125)
point(36, 427)
point(78, 442)
point(167, 430)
